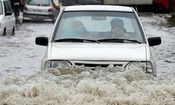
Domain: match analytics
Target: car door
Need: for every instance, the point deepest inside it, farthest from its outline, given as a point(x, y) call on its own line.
point(9, 16)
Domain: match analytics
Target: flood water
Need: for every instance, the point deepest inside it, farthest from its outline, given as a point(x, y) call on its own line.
point(22, 82)
point(81, 86)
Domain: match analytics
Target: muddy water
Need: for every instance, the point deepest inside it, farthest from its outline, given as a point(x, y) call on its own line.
point(81, 86)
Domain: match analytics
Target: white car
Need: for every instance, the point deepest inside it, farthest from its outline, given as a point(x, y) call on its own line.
point(39, 10)
point(84, 35)
point(7, 19)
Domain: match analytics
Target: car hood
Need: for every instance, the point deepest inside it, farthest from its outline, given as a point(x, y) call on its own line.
point(101, 51)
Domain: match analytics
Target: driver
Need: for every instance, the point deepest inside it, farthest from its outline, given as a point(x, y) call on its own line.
point(118, 30)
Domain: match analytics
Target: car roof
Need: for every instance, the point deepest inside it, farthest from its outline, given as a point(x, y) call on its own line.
point(98, 8)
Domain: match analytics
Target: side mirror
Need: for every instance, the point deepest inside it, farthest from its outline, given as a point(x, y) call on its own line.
point(43, 41)
point(153, 41)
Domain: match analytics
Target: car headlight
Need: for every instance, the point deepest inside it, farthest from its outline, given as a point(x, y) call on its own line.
point(54, 64)
point(147, 67)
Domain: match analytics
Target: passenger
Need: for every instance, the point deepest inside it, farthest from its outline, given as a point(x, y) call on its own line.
point(118, 30)
point(78, 27)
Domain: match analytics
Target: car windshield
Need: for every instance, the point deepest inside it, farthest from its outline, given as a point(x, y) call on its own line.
point(1, 9)
point(39, 2)
point(100, 26)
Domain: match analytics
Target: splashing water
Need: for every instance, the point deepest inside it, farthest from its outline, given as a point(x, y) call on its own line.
point(82, 86)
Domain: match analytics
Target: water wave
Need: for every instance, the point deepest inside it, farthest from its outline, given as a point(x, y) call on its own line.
point(82, 86)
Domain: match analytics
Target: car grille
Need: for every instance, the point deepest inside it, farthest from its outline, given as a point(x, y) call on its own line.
point(97, 65)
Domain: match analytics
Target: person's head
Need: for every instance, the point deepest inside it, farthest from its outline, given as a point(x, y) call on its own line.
point(117, 25)
point(78, 27)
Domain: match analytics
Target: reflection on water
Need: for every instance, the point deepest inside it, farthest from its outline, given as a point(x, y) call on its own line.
point(82, 86)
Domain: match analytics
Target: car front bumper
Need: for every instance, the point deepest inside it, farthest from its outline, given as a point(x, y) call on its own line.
point(123, 65)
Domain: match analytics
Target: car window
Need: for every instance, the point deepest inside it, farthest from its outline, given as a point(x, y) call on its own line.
point(1, 9)
point(7, 8)
point(39, 2)
point(97, 25)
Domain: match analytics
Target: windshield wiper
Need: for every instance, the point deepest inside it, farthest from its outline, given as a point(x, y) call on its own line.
point(129, 40)
point(75, 40)
point(118, 40)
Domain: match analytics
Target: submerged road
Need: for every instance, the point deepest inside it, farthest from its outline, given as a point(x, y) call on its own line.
point(22, 82)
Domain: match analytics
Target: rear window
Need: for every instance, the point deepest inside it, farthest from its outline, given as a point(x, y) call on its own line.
point(1, 9)
point(39, 2)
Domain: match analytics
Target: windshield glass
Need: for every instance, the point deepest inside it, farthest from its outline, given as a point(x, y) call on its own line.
point(39, 2)
point(1, 9)
point(98, 26)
